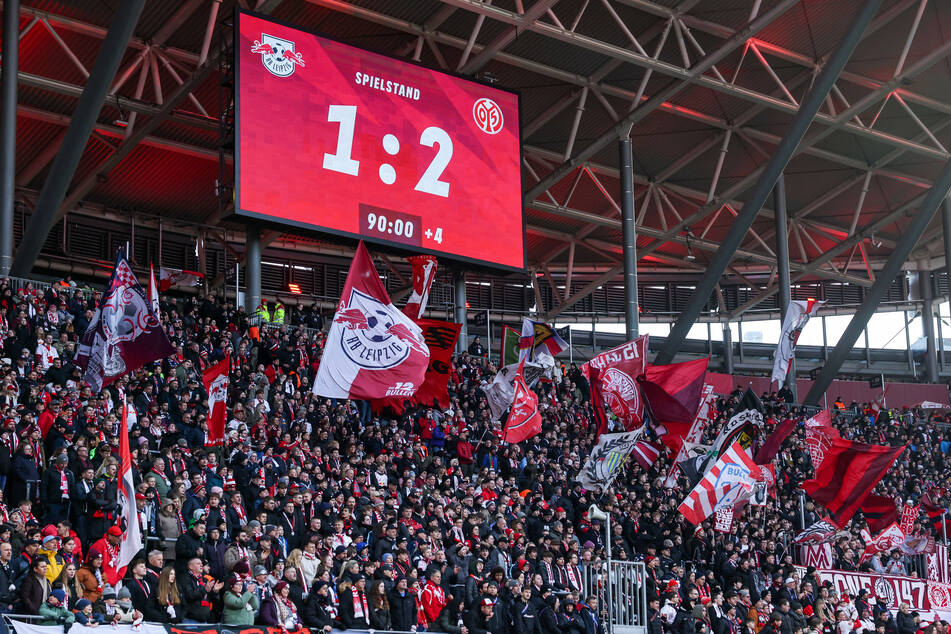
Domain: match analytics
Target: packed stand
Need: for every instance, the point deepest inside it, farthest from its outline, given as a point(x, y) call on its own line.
point(326, 515)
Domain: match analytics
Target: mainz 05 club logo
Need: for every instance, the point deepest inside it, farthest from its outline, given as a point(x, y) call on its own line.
point(277, 55)
point(488, 116)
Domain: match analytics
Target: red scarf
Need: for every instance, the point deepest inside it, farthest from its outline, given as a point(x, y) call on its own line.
point(360, 608)
point(241, 514)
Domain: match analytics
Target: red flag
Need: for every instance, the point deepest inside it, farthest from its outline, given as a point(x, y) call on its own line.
point(169, 277)
point(424, 272)
point(891, 537)
point(441, 339)
point(597, 402)
point(124, 334)
point(729, 481)
point(775, 440)
point(849, 471)
point(879, 511)
point(646, 453)
point(215, 379)
point(673, 391)
point(819, 437)
point(617, 371)
point(373, 349)
point(131, 542)
point(909, 515)
point(524, 421)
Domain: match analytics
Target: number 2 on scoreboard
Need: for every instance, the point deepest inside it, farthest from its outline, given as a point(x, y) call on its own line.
point(342, 159)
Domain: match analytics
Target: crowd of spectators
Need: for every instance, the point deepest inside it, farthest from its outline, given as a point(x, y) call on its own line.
point(326, 515)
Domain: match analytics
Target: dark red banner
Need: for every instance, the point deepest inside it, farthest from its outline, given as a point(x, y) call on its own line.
point(441, 338)
point(344, 141)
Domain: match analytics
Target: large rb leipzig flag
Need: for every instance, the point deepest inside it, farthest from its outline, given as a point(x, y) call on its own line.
point(373, 350)
point(124, 333)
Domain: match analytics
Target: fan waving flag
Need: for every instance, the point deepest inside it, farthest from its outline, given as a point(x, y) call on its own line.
point(131, 541)
point(646, 453)
point(613, 375)
point(606, 459)
point(153, 291)
point(797, 315)
point(424, 272)
point(124, 333)
point(774, 441)
point(820, 532)
point(879, 511)
point(743, 427)
point(176, 277)
point(215, 379)
point(536, 334)
point(891, 537)
point(373, 349)
point(728, 482)
point(673, 392)
point(849, 471)
point(524, 420)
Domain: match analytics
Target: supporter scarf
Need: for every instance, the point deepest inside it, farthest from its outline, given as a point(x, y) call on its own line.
point(63, 484)
point(332, 601)
point(4, 514)
point(112, 554)
point(143, 586)
point(181, 520)
point(573, 576)
point(242, 516)
point(286, 611)
point(360, 608)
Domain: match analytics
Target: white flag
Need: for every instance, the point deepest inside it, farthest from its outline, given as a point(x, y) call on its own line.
point(607, 458)
point(797, 315)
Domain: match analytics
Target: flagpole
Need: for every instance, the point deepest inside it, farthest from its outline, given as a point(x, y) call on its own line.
point(944, 526)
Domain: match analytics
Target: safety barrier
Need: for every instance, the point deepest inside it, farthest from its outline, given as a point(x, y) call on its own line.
point(10, 621)
point(624, 607)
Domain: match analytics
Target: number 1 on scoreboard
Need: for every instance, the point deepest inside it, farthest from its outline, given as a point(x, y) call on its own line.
point(342, 161)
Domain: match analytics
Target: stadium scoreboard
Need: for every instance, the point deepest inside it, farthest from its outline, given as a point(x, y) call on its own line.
point(333, 138)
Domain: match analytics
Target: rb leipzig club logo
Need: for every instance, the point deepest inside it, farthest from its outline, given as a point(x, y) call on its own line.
point(277, 55)
point(371, 337)
point(488, 116)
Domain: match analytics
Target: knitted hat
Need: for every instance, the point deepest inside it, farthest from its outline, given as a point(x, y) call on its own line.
point(59, 594)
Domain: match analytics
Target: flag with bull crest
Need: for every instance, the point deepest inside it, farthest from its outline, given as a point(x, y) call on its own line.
point(373, 349)
point(124, 333)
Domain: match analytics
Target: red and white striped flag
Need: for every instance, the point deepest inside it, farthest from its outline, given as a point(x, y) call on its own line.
point(215, 379)
point(131, 542)
point(646, 453)
point(727, 482)
point(424, 272)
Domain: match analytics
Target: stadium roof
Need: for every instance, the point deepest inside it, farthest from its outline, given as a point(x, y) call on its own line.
point(580, 66)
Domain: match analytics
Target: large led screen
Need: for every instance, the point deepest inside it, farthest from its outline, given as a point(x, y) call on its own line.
point(337, 139)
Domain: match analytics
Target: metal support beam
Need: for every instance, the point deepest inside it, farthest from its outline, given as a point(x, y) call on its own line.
point(629, 238)
point(526, 20)
point(8, 130)
point(77, 135)
point(927, 319)
point(751, 207)
point(946, 225)
point(886, 276)
point(658, 99)
point(252, 275)
point(459, 288)
point(727, 349)
point(782, 263)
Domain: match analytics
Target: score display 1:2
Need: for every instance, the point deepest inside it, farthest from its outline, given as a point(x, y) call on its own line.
point(342, 159)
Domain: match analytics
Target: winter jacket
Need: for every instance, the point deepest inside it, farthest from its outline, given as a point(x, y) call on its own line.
point(239, 610)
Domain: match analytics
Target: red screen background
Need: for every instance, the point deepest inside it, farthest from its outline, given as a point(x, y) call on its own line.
point(283, 133)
